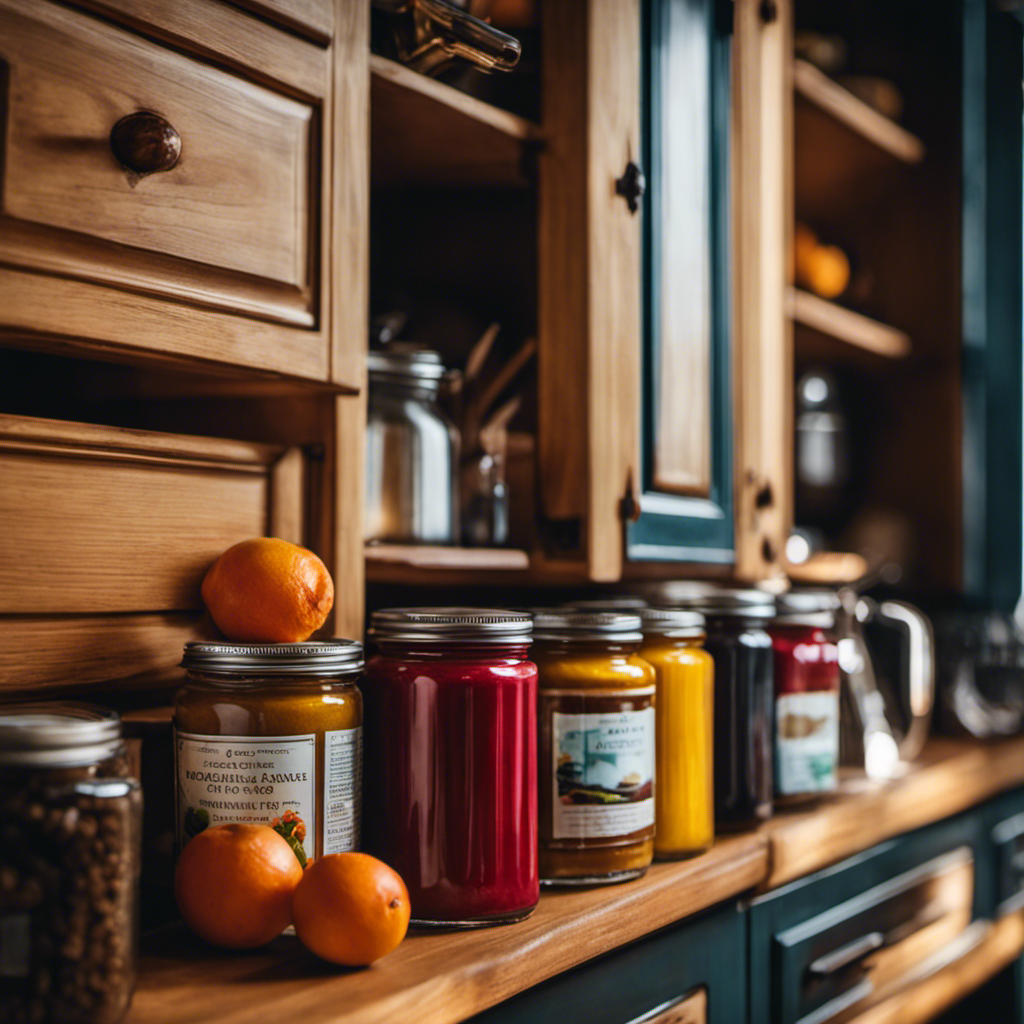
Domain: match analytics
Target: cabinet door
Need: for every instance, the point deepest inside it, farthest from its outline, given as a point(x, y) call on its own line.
point(715, 393)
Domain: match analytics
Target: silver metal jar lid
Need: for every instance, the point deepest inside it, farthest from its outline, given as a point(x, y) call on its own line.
point(445, 625)
point(571, 624)
point(622, 603)
point(672, 622)
point(313, 658)
point(715, 600)
point(807, 608)
point(58, 734)
point(406, 365)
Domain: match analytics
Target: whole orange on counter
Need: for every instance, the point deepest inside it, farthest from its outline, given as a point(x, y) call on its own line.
point(350, 909)
point(234, 885)
point(268, 590)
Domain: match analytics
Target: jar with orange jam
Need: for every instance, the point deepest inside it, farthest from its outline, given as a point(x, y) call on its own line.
point(272, 734)
point(595, 747)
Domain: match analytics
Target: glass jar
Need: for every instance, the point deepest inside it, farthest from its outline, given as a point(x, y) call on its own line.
point(806, 695)
point(596, 747)
point(271, 734)
point(70, 834)
point(744, 696)
point(451, 704)
point(684, 729)
point(412, 451)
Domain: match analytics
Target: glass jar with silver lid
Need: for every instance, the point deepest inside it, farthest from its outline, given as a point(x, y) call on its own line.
point(412, 451)
point(69, 864)
point(744, 695)
point(271, 734)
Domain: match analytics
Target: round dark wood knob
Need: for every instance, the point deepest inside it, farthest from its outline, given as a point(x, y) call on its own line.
point(632, 185)
point(145, 143)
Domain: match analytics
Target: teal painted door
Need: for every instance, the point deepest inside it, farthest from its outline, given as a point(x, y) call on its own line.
point(685, 503)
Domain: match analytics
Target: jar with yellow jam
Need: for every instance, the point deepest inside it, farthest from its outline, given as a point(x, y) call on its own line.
point(272, 734)
point(595, 747)
point(684, 798)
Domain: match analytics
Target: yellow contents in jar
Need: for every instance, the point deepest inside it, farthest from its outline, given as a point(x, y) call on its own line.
point(684, 796)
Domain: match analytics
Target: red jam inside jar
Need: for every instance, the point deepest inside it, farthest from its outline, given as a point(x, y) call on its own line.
point(452, 781)
point(806, 695)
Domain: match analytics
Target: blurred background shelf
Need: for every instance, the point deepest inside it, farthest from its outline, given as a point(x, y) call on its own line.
point(844, 325)
point(829, 568)
point(423, 132)
point(426, 557)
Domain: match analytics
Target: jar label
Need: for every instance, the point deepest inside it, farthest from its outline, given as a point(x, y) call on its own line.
point(264, 780)
point(603, 773)
point(343, 789)
point(806, 742)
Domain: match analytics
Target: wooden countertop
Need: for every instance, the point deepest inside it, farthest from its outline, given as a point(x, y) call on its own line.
point(441, 978)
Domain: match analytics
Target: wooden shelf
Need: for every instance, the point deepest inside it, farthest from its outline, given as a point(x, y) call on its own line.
point(434, 977)
point(829, 96)
point(426, 558)
point(844, 325)
point(423, 132)
point(825, 568)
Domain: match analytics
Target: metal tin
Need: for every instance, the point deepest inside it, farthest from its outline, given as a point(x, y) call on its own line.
point(413, 367)
point(58, 734)
point(311, 659)
point(807, 608)
point(571, 624)
point(448, 625)
point(672, 622)
point(715, 600)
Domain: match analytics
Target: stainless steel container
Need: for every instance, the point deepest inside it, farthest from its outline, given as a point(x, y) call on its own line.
point(412, 451)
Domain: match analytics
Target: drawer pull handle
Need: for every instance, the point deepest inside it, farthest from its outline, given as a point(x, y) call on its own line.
point(846, 955)
point(145, 143)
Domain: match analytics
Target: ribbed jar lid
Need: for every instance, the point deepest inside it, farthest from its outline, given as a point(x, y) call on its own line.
point(312, 658)
point(57, 734)
point(406, 365)
point(572, 624)
point(672, 622)
point(716, 600)
point(622, 603)
point(807, 608)
point(452, 625)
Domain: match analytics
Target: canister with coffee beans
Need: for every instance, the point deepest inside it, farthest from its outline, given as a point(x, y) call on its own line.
point(70, 826)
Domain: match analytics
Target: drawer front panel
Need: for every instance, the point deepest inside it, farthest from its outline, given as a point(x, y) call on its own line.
point(107, 534)
point(856, 953)
point(232, 224)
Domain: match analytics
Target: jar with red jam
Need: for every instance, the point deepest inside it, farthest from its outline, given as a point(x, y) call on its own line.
point(806, 695)
point(452, 762)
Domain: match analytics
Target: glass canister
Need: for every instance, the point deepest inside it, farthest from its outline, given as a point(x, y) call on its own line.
point(684, 730)
point(451, 701)
point(806, 695)
point(412, 451)
point(70, 834)
point(272, 734)
point(736, 621)
point(596, 747)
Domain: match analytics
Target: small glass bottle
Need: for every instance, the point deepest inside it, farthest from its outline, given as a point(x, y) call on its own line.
point(451, 702)
point(744, 696)
point(684, 730)
point(806, 695)
point(272, 734)
point(69, 865)
point(596, 747)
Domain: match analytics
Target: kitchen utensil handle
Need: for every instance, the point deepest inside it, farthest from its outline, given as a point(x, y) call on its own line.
point(920, 680)
point(472, 39)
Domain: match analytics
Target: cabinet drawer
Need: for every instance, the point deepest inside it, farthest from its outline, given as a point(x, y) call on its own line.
point(233, 225)
point(868, 946)
point(107, 534)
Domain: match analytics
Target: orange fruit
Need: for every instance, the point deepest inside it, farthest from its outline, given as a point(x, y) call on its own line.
point(268, 590)
point(351, 909)
point(234, 885)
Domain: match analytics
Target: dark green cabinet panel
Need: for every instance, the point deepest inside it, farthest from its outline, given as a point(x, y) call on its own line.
point(708, 950)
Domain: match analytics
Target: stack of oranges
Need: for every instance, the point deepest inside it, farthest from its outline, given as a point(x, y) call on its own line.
point(240, 885)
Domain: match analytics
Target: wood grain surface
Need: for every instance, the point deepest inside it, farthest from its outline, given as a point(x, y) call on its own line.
point(433, 978)
point(847, 326)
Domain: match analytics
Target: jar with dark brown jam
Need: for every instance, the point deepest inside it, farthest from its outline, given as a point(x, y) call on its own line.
point(596, 747)
point(70, 832)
